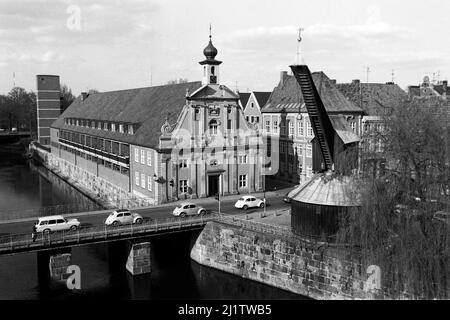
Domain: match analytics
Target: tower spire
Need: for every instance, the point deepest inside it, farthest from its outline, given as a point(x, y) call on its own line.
point(210, 31)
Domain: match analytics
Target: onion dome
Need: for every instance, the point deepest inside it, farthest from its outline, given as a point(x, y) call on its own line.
point(210, 51)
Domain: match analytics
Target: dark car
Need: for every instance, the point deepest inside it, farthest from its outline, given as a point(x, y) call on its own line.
point(286, 198)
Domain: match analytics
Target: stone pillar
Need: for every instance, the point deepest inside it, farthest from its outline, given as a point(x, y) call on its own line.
point(138, 261)
point(58, 265)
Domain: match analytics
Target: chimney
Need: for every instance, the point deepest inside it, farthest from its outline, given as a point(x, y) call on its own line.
point(283, 76)
point(356, 81)
point(84, 95)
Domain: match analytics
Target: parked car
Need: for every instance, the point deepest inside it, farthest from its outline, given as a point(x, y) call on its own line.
point(188, 209)
point(286, 198)
point(123, 216)
point(14, 130)
point(246, 202)
point(56, 223)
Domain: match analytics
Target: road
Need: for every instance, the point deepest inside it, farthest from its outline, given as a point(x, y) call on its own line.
point(97, 218)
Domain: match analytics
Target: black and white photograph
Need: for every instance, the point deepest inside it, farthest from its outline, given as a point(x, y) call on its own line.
point(224, 156)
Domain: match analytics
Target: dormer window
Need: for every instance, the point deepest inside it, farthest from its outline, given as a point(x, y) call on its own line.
point(121, 128)
point(130, 129)
point(113, 127)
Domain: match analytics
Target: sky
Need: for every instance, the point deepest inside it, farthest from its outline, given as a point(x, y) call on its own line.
point(112, 45)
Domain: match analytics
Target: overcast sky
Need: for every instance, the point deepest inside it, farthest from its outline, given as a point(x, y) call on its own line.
point(131, 43)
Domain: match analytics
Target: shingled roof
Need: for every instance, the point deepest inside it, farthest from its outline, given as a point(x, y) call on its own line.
point(287, 96)
point(436, 105)
point(262, 97)
point(373, 98)
point(148, 107)
point(243, 97)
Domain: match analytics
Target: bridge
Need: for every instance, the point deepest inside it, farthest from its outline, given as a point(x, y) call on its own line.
point(21, 243)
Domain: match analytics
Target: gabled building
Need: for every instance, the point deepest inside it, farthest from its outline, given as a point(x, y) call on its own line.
point(159, 144)
point(377, 100)
point(429, 89)
point(285, 119)
point(252, 109)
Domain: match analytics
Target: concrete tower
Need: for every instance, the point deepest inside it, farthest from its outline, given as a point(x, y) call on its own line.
point(48, 105)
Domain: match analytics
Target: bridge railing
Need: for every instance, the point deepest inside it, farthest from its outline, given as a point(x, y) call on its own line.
point(16, 242)
point(49, 211)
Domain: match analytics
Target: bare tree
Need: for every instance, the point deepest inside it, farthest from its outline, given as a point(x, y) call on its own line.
point(397, 227)
point(175, 81)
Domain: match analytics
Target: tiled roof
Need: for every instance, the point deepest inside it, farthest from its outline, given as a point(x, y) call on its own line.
point(262, 97)
point(436, 105)
point(373, 98)
point(148, 107)
point(440, 89)
point(244, 96)
point(414, 90)
point(287, 96)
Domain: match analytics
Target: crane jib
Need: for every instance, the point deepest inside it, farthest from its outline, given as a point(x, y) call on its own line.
point(320, 121)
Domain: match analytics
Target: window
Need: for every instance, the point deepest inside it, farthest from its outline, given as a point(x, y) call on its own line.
point(300, 150)
point(130, 129)
point(243, 159)
point(142, 156)
point(309, 129)
point(183, 186)
point(353, 125)
point(136, 178)
point(252, 105)
point(149, 158)
point(242, 181)
point(275, 126)
point(121, 128)
point(308, 150)
point(113, 127)
point(291, 128)
point(252, 119)
point(257, 119)
point(142, 180)
point(308, 171)
point(213, 127)
point(149, 183)
point(183, 163)
point(247, 118)
point(268, 126)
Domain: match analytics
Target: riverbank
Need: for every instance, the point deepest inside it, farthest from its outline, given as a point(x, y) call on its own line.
point(265, 250)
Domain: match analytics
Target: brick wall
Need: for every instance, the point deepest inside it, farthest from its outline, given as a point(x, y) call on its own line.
point(306, 268)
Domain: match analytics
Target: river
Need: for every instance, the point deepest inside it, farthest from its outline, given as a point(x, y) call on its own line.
point(174, 275)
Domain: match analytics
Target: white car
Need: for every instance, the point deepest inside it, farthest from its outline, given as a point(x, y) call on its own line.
point(188, 209)
point(56, 223)
point(123, 216)
point(249, 202)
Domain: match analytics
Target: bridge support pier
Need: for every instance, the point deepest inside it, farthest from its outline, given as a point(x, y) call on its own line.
point(138, 261)
point(58, 264)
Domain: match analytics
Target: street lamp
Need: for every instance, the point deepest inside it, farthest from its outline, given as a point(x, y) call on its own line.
point(220, 186)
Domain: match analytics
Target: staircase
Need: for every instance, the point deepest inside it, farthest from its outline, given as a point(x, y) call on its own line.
point(321, 124)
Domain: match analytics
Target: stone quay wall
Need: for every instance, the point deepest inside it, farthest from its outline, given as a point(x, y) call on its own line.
point(100, 190)
point(284, 261)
